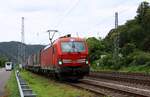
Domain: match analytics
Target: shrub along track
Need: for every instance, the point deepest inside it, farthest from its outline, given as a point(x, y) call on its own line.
point(116, 84)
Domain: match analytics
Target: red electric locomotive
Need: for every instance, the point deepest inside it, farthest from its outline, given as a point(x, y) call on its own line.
point(67, 57)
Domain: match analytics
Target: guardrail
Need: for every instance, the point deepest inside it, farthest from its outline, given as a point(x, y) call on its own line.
point(24, 89)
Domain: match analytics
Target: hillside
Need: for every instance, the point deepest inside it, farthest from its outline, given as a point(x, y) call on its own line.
point(10, 50)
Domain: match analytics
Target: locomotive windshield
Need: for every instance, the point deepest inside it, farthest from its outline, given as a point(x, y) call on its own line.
point(72, 46)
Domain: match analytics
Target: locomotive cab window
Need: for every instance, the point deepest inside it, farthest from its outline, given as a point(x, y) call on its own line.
point(8, 64)
point(73, 46)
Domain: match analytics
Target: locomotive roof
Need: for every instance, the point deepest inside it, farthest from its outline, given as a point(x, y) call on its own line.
point(64, 39)
point(70, 38)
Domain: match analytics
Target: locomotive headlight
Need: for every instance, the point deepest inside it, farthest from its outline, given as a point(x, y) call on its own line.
point(60, 62)
point(86, 62)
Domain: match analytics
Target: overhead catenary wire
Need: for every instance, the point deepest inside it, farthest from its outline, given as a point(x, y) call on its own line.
point(77, 3)
point(67, 13)
point(64, 16)
point(111, 16)
point(72, 8)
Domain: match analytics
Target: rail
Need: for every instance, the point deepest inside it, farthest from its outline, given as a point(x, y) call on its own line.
point(24, 89)
point(116, 84)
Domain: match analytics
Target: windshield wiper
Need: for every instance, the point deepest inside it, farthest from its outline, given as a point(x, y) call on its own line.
point(77, 50)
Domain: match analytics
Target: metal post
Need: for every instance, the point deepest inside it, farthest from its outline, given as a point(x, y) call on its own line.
point(116, 40)
point(116, 20)
point(22, 45)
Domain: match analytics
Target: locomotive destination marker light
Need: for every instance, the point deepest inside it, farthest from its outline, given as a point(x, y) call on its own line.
point(60, 62)
point(87, 62)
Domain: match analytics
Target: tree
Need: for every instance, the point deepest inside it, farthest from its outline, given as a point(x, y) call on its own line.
point(128, 48)
point(134, 42)
point(143, 17)
point(96, 48)
point(141, 11)
point(146, 44)
point(2, 61)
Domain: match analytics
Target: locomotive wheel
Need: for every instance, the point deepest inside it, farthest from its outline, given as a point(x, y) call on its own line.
point(58, 76)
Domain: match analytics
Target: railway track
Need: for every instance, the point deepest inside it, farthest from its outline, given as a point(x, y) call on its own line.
point(111, 89)
point(132, 78)
point(116, 84)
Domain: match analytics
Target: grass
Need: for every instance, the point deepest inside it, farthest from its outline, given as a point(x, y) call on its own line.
point(139, 69)
point(134, 68)
point(99, 68)
point(44, 87)
point(12, 87)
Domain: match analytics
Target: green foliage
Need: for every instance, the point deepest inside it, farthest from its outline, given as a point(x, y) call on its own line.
point(2, 61)
point(45, 87)
point(136, 31)
point(141, 12)
point(134, 44)
point(12, 87)
point(96, 48)
point(128, 48)
point(108, 62)
point(146, 44)
point(139, 58)
point(140, 68)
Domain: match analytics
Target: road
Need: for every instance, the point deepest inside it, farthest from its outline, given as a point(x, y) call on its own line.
point(4, 76)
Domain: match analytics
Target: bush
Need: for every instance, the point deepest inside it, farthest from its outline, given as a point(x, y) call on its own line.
point(96, 48)
point(109, 63)
point(147, 64)
point(138, 58)
point(128, 48)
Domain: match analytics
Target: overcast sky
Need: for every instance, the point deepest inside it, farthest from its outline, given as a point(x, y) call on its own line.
point(84, 18)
